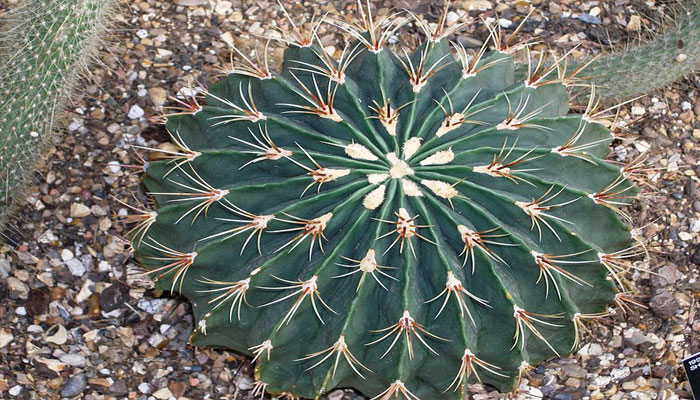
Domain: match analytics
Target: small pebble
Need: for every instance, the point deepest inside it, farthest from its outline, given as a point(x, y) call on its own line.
point(58, 335)
point(66, 255)
point(144, 388)
point(74, 360)
point(15, 390)
point(75, 385)
point(163, 393)
point(505, 23)
point(636, 110)
point(136, 112)
point(76, 267)
point(5, 338)
point(222, 7)
point(79, 210)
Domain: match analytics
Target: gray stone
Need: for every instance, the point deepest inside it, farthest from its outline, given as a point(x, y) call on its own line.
point(76, 267)
point(4, 268)
point(76, 385)
point(573, 371)
point(152, 306)
point(695, 226)
point(18, 290)
point(119, 388)
point(616, 342)
point(668, 275)
point(74, 360)
point(637, 338)
point(562, 396)
point(664, 304)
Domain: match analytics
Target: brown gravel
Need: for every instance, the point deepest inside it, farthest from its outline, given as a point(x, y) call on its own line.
point(76, 321)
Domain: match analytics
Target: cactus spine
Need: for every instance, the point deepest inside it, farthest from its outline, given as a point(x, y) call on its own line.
point(653, 64)
point(46, 46)
point(404, 224)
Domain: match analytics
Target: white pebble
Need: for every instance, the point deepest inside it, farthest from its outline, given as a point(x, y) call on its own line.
point(58, 336)
point(222, 7)
point(601, 380)
point(142, 33)
point(15, 390)
point(5, 338)
point(114, 167)
point(638, 110)
point(164, 53)
point(621, 152)
point(66, 255)
point(620, 373)
point(144, 388)
point(76, 267)
point(505, 23)
point(591, 349)
point(21, 311)
point(187, 92)
point(641, 146)
point(452, 17)
point(685, 236)
point(74, 126)
point(685, 106)
point(695, 226)
point(135, 112)
point(152, 306)
point(104, 266)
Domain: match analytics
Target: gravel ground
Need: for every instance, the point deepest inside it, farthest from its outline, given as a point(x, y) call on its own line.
point(77, 320)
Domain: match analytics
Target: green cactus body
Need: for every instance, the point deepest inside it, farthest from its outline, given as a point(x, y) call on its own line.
point(436, 225)
point(46, 46)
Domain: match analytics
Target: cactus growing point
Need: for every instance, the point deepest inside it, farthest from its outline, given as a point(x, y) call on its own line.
point(403, 224)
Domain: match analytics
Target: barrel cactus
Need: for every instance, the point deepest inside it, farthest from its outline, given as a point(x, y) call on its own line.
point(402, 224)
